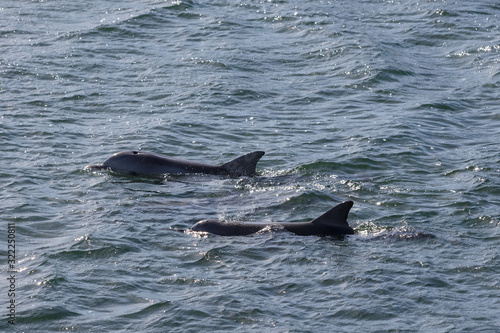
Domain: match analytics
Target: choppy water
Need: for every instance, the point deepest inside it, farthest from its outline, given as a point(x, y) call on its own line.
point(392, 104)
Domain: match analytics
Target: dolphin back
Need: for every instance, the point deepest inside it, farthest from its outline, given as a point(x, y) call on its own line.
point(244, 165)
point(337, 216)
point(332, 223)
point(227, 228)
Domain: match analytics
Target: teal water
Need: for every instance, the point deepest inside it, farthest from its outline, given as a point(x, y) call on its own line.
point(392, 104)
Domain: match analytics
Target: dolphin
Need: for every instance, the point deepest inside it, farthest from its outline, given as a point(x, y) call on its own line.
point(332, 223)
point(147, 163)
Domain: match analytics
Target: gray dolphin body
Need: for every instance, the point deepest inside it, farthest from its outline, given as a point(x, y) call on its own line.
point(147, 163)
point(331, 223)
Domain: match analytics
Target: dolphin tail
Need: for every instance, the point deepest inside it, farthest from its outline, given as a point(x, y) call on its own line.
point(337, 216)
point(244, 165)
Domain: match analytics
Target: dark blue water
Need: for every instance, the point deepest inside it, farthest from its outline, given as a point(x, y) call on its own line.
point(392, 104)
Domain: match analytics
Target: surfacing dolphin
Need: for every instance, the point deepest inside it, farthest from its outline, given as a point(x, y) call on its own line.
point(147, 163)
point(332, 223)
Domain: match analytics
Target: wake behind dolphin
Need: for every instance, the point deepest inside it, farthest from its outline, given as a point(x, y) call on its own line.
point(147, 163)
point(332, 223)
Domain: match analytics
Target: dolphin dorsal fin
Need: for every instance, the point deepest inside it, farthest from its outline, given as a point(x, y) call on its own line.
point(244, 165)
point(335, 216)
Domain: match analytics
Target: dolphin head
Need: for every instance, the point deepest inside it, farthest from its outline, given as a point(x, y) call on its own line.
point(129, 161)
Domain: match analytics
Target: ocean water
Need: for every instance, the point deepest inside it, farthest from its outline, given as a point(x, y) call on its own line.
point(392, 104)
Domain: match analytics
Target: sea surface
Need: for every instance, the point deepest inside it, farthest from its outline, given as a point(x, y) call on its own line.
point(394, 105)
